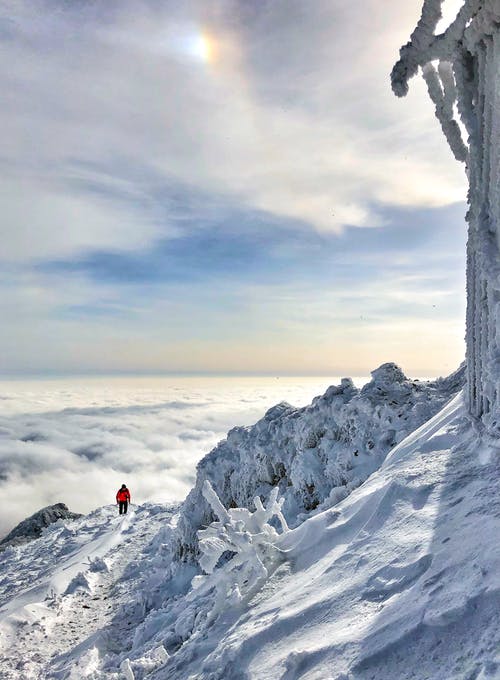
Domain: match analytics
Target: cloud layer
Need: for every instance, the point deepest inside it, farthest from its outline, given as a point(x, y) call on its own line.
point(78, 441)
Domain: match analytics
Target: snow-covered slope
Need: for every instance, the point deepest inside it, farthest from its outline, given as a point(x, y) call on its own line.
point(399, 580)
point(64, 589)
point(315, 455)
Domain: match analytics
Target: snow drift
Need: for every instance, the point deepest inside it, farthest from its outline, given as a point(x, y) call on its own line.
point(400, 580)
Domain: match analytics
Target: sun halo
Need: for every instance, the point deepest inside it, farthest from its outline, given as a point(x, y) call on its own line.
point(204, 48)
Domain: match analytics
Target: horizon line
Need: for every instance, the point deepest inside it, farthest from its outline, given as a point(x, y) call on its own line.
point(54, 375)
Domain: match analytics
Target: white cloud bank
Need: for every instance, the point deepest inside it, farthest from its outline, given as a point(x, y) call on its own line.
point(77, 441)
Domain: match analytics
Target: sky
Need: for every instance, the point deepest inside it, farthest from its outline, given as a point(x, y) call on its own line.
point(223, 187)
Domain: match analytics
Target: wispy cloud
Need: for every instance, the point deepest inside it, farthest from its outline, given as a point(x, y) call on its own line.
point(239, 301)
point(292, 116)
point(162, 162)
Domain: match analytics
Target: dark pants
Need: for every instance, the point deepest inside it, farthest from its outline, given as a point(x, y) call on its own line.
point(123, 507)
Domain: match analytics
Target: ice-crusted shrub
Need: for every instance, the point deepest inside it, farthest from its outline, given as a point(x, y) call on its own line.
point(249, 541)
point(314, 455)
point(239, 550)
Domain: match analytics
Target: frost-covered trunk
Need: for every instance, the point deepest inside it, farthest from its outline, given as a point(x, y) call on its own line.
point(483, 315)
point(467, 84)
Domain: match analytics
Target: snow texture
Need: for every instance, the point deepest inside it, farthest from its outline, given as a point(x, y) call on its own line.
point(68, 596)
point(467, 84)
point(316, 455)
point(33, 526)
point(399, 581)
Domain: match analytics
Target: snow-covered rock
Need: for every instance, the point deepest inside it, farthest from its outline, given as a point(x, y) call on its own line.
point(76, 586)
point(316, 455)
point(32, 527)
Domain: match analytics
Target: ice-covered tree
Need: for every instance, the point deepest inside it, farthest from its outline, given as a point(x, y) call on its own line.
point(461, 67)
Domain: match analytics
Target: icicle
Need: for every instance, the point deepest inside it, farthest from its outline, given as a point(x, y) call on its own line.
point(214, 502)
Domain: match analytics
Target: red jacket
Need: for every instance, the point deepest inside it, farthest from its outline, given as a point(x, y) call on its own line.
point(123, 495)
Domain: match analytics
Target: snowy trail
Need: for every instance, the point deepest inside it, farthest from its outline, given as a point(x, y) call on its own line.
point(79, 595)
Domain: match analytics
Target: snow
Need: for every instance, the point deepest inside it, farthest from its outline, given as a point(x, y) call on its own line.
point(32, 526)
point(315, 455)
point(400, 579)
point(57, 590)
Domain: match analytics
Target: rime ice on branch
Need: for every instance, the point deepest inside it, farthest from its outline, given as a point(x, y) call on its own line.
point(249, 538)
point(466, 84)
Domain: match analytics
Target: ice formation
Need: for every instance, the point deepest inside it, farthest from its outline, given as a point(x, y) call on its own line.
point(250, 540)
point(312, 456)
point(465, 87)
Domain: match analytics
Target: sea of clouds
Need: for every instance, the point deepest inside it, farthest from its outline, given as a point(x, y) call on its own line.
point(77, 440)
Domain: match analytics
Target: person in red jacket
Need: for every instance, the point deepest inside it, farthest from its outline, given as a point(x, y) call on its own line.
point(123, 499)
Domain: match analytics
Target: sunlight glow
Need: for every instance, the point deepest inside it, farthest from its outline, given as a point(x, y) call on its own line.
point(202, 47)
